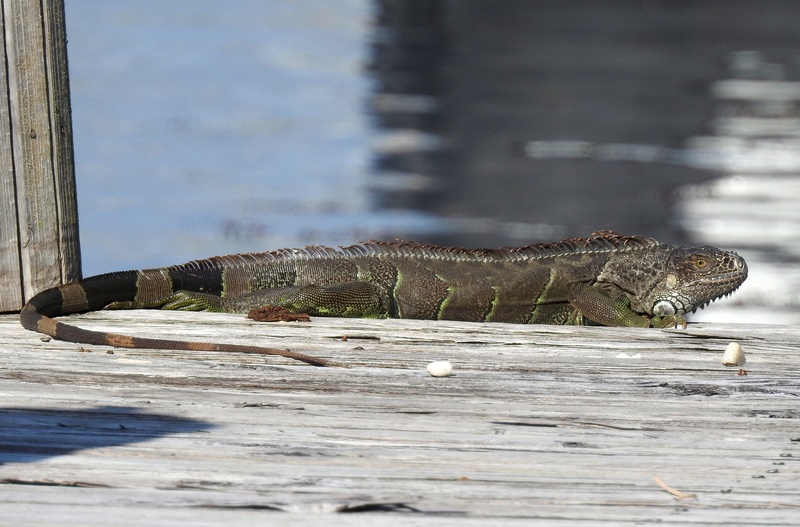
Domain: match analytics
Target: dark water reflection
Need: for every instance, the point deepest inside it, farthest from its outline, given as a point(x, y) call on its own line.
point(501, 86)
point(520, 121)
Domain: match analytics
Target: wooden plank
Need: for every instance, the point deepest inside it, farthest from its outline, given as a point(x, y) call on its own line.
point(32, 146)
point(538, 423)
point(63, 159)
point(41, 146)
point(10, 290)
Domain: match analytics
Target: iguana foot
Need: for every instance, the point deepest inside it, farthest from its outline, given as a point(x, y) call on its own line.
point(669, 321)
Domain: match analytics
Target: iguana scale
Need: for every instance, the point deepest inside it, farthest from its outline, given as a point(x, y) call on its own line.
point(607, 279)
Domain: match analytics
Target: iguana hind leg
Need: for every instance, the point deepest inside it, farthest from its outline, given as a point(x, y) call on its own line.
point(344, 299)
point(179, 301)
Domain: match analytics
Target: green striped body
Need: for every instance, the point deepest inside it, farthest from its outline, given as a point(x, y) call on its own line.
point(428, 286)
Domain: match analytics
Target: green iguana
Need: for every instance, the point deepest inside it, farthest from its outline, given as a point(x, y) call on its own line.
point(607, 279)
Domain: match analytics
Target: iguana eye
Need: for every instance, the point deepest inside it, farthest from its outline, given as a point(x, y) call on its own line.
point(700, 262)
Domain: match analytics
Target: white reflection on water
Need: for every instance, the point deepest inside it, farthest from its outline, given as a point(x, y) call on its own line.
point(753, 205)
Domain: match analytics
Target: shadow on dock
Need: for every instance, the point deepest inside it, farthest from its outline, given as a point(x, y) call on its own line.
point(32, 434)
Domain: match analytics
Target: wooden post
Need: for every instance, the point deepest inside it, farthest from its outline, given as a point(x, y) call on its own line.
point(39, 245)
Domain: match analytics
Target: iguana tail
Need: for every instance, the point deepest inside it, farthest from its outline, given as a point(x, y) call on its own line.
point(95, 293)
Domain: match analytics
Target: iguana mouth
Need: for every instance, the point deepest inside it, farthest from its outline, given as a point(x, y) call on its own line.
point(729, 293)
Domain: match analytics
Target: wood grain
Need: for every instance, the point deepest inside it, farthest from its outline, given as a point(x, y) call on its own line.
point(540, 423)
point(38, 193)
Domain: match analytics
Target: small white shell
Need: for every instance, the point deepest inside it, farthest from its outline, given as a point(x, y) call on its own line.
point(440, 368)
point(734, 355)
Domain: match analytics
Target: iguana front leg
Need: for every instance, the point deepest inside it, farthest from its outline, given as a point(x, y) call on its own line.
point(603, 309)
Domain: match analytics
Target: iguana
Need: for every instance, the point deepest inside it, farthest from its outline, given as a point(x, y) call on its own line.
point(607, 279)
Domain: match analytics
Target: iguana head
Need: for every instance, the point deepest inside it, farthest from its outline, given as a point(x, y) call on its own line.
point(665, 280)
point(692, 278)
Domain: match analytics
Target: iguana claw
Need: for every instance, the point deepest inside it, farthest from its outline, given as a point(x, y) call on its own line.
point(669, 321)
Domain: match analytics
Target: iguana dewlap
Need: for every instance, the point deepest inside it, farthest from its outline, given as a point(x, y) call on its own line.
point(607, 279)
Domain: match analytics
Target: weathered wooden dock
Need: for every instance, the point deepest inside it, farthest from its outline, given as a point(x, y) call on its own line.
point(559, 425)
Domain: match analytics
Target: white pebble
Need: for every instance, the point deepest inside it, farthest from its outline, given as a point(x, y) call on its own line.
point(734, 355)
point(440, 368)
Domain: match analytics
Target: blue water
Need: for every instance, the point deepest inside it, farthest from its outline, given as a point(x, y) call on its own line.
point(205, 127)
